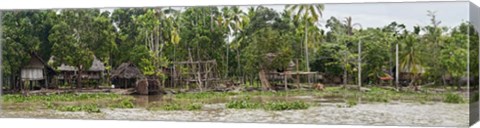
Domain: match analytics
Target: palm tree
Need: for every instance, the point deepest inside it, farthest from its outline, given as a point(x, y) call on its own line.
point(231, 21)
point(309, 14)
point(410, 61)
point(348, 23)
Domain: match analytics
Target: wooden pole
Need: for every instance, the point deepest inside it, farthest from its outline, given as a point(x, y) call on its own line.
point(46, 78)
point(359, 64)
point(298, 77)
point(285, 80)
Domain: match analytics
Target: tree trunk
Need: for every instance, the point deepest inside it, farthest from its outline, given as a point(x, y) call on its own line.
point(24, 87)
point(240, 67)
point(306, 47)
point(66, 78)
point(459, 86)
point(412, 83)
point(79, 79)
point(264, 80)
point(297, 81)
point(444, 80)
point(226, 71)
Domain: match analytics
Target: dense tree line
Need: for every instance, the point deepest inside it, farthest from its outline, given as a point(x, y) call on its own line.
point(244, 43)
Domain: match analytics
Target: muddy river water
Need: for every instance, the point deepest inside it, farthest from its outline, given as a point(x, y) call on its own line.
point(328, 111)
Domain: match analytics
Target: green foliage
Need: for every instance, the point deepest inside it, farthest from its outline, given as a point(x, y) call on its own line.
point(268, 42)
point(91, 108)
point(126, 103)
point(242, 104)
point(57, 97)
point(351, 102)
point(171, 107)
point(246, 103)
point(453, 98)
point(24, 32)
point(278, 106)
point(176, 107)
point(193, 107)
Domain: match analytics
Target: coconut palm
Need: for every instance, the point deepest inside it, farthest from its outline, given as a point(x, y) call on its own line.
point(348, 23)
point(309, 14)
point(410, 59)
point(231, 21)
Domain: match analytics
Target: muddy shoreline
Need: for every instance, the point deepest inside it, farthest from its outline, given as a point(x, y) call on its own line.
point(395, 113)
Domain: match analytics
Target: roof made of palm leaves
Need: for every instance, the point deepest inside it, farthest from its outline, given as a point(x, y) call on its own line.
point(97, 65)
point(411, 69)
point(127, 71)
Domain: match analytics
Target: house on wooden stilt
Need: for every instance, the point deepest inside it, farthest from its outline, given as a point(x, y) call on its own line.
point(36, 73)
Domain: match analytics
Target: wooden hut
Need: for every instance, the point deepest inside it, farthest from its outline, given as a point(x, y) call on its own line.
point(67, 73)
point(36, 72)
point(407, 74)
point(126, 75)
point(96, 71)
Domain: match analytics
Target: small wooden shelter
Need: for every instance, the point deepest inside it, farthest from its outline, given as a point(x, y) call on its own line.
point(67, 73)
point(96, 71)
point(126, 75)
point(407, 74)
point(36, 72)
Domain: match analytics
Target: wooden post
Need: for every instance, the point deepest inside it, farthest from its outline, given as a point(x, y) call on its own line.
point(45, 77)
point(298, 77)
point(207, 72)
point(195, 72)
point(285, 80)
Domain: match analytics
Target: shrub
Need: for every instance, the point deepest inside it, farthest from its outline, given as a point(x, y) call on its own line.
point(127, 103)
point(377, 98)
point(242, 104)
point(171, 107)
point(276, 106)
point(351, 102)
point(453, 98)
point(87, 108)
point(192, 107)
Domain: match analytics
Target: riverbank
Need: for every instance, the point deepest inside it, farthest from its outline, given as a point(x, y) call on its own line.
point(334, 105)
point(395, 113)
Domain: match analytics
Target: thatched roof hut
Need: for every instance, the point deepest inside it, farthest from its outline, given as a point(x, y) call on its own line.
point(97, 65)
point(126, 75)
point(36, 69)
point(127, 71)
point(411, 69)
